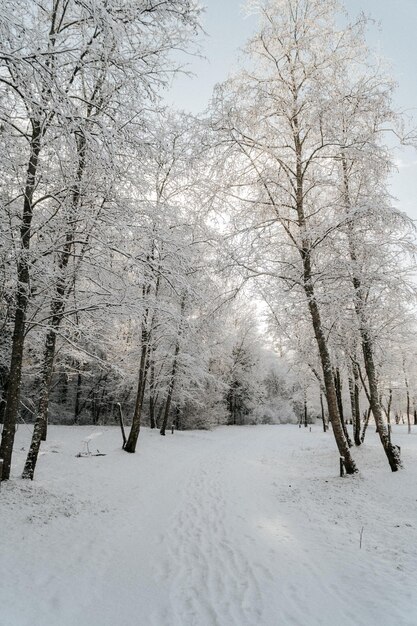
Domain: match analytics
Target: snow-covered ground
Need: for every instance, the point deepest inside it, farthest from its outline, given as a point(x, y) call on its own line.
point(242, 526)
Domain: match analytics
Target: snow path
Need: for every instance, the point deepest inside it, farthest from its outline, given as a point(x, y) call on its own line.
point(236, 527)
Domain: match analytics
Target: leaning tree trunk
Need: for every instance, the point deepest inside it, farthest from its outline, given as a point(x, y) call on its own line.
point(326, 364)
point(365, 424)
point(392, 452)
point(22, 299)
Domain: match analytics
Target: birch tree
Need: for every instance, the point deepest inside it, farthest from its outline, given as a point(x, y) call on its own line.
point(273, 116)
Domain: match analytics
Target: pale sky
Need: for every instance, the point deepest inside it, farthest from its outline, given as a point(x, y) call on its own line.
point(394, 37)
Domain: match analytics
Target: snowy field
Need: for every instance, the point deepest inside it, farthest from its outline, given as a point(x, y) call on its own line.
point(242, 526)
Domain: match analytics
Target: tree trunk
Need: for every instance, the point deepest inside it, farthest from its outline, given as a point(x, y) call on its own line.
point(22, 299)
point(392, 452)
point(408, 404)
point(408, 412)
point(160, 413)
point(63, 389)
point(122, 426)
point(61, 292)
point(308, 285)
point(352, 398)
point(143, 372)
point(177, 421)
point(170, 390)
point(355, 407)
point(338, 387)
point(3, 398)
point(365, 424)
point(173, 370)
point(389, 413)
point(136, 421)
point(77, 407)
point(152, 403)
point(357, 422)
point(331, 398)
point(323, 417)
point(41, 419)
point(147, 326)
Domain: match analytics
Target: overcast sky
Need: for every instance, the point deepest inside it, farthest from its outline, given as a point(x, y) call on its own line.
point(394, 36)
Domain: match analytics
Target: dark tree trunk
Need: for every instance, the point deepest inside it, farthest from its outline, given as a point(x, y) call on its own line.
point(389, 413)
point(63, 389)
point(121, 422)
point(352, 398)
point(153, 395)
point(41, 419)
point(143, 373)
point(160, 413)
point(365, 424)
point(392, 452)
point(170, 391)
point(3, 398)
point(152, 399)
point(147, 330)
point(408, 404)
point(308, 285)
point(77, 407)
point(136, 421)
point(177, 421)
point(338, 387)
point(22, 299)
point(172, 380)
point(357, 421)
point(323, 417)
point(334, 416)
point(408, 412)
point(355, 407)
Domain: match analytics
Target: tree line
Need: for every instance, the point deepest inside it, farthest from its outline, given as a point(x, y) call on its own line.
point(141, 245)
